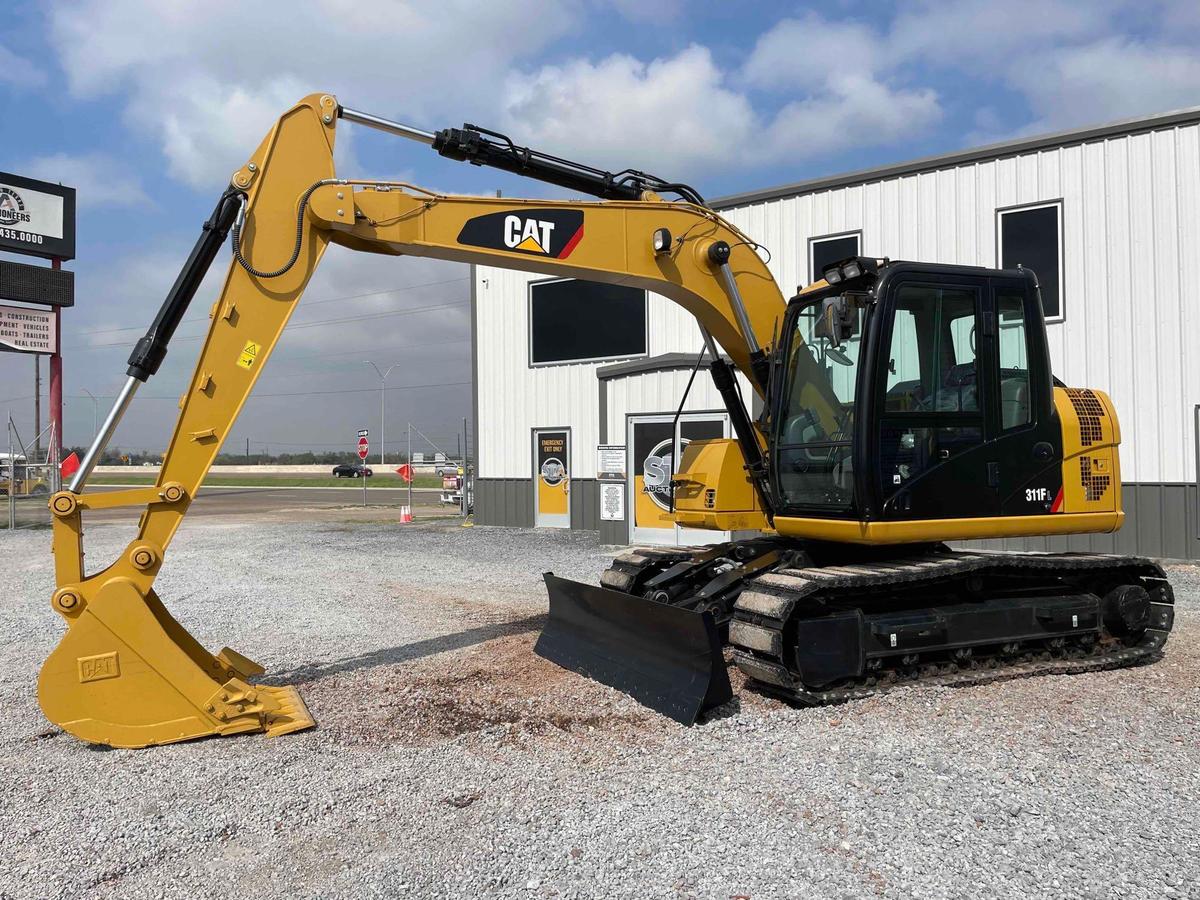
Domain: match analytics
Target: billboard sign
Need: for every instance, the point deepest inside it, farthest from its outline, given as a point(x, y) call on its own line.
point(36, 217)
point(28, 330)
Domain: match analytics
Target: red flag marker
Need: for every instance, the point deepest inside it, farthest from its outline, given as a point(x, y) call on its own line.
point(70, 466)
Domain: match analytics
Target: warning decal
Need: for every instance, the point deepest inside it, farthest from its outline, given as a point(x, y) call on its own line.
point(249, 354)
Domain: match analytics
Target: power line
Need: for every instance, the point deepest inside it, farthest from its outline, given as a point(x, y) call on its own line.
point(293, 327)
point(307, 303)
point(286, 359)
point(399, 387)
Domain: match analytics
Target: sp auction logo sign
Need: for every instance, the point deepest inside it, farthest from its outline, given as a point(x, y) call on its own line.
point(12, 207)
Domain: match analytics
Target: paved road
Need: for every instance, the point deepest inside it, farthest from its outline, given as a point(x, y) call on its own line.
point(216, 501)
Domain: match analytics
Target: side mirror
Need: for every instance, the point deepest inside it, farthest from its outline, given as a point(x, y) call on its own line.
point(838, 321)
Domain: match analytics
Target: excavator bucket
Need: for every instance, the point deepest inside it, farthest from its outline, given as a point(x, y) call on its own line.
point(127, 674)
point(665, 657)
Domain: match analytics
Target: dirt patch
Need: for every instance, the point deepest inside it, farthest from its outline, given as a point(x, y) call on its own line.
point(499, 690)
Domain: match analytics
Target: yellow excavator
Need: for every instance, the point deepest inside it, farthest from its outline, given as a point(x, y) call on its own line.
point(903, 405)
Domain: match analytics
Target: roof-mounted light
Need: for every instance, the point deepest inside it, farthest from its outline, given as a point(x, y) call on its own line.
point(851, 269)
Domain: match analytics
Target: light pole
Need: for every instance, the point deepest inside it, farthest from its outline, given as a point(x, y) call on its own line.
point(95, 412)
point(382, 387)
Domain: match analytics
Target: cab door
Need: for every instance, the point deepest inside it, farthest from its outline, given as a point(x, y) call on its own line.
point(934, 392)
point(1026, 450)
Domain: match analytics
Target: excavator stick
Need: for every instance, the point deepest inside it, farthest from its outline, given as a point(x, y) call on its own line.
point(126, 673)
point(665, 657)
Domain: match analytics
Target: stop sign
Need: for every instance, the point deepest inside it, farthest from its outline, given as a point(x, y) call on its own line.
point(362, 448)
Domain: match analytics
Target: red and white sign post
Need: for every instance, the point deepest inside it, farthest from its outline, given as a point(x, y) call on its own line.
point(364, 447)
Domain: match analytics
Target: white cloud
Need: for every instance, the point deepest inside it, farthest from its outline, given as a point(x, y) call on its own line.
point(1109, 79)
point(681, 116)
point(1073, 63)
point(208, 90)
point(799, 54)
point(979, 35)
point(100, 180)
point(18, 71)
point(854, 111)
point(663, 116)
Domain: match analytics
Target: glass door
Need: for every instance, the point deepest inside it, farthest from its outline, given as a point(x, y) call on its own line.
point(552, 478)
point(654, 452)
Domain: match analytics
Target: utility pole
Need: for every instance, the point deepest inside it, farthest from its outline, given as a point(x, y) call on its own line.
point(37, 406)
point(382, 387)
point(247, 448)
point(95, 412)
point(465, 481)
point(56, 383)
point(411, 472)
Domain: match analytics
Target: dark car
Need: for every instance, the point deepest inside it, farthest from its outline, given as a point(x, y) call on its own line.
point(348, 471)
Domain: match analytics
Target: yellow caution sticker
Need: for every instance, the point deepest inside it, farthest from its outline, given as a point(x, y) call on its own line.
point(249, 354)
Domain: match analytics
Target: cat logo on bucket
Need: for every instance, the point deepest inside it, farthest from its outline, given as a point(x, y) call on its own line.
point(546, 232)
point(99, 667)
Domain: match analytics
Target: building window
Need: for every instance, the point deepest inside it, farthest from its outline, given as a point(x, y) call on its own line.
point(583, 321)
point(824, 251)
point(1031, 237)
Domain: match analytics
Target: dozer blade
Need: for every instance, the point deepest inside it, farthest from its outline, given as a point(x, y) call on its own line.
point(665, 657)
point(127, 674)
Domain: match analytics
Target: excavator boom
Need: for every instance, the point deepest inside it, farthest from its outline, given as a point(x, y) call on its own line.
point(852, 480)
point(126, 673)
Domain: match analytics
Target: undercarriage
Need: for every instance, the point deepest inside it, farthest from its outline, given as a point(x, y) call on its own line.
point(818, 624)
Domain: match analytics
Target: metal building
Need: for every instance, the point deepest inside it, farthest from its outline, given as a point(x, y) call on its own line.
point(1109, 218)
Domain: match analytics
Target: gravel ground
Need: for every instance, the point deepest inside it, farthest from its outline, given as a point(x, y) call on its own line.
point(449, 761)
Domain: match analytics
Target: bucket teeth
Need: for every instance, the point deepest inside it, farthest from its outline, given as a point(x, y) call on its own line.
point(289, 714)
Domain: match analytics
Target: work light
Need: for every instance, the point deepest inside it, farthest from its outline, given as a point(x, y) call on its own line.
point(662, 241)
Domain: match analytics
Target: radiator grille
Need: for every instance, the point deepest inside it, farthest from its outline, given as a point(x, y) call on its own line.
point(1094, 486)
point(1090, 411)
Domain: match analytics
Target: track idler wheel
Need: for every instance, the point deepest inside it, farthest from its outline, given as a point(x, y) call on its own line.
point(1127, 610)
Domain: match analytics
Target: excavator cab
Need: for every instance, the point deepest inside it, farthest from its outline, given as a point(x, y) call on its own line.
point(913, 392)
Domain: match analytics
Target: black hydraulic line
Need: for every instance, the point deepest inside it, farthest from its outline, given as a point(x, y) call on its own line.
point(679, 412)
point(726, 384)
point(151, 349)
point(482, 147)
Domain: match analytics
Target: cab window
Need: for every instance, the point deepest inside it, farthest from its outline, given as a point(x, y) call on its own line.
point(931, 359)
point(1015, 408)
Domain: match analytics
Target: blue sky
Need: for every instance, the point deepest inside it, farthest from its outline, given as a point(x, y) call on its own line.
point(147, 107)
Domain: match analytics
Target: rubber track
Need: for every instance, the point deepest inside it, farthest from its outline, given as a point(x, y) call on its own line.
point(769, 600)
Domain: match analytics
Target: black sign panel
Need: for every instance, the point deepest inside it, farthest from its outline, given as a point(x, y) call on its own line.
point(36, 284)
point(535, 232)
point(37, 218)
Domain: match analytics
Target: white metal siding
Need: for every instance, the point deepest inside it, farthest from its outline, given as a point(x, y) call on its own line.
point(656, 392)
point(1131, 263)
point(514, 398)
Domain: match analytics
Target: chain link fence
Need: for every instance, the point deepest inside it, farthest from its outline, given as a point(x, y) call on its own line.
point(27, 479)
